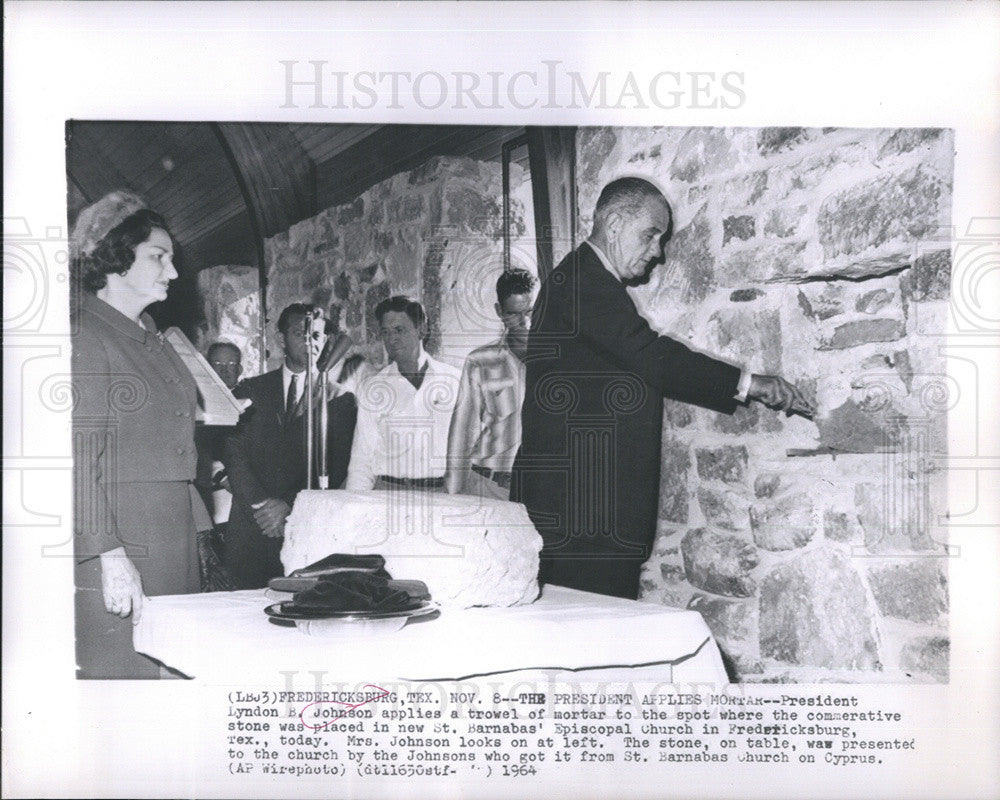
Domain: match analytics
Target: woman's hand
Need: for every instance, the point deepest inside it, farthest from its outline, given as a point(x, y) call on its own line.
point(122, 584)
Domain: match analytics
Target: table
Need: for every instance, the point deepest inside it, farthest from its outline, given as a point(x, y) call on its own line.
point(225, 636)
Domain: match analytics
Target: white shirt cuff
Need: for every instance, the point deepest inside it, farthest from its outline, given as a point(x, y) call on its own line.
point(743, 387)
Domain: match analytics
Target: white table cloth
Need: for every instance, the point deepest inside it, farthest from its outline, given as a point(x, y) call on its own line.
point(225, 636)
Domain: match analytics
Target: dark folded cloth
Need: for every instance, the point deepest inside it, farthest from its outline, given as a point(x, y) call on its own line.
point(340, 562)
point(352, 591)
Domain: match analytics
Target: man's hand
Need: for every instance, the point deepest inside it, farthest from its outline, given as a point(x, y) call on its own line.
point(121, 584)
point(775, 392)
point(270, 516)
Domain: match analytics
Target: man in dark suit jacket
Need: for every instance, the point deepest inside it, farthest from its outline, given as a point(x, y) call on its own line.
point(265, 456)
point(589, 465)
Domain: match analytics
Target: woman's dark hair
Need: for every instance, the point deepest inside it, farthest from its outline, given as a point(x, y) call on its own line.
point(115, 253)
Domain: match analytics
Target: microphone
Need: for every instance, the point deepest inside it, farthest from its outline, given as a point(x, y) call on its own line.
point(333, 351)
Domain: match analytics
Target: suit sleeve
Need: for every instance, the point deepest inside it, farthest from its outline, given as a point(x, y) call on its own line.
point(610, 321)
point(244, 484)
point(95, 524)
point(343, 416)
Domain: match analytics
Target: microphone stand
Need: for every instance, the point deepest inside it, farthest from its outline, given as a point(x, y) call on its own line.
point(309, 321)
point(333, 351)
point(324, 421)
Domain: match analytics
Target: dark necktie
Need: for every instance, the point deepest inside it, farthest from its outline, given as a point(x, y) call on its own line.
point(291, 398)
point(416, 378)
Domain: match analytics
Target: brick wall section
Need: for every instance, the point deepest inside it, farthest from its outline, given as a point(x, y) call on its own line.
point(822, 255)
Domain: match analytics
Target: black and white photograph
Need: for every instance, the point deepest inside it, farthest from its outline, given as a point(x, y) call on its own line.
point(493, 423)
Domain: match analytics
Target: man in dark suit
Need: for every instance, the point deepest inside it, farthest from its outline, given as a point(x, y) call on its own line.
point(265, 456)
point(210, 475)
point(588, 469)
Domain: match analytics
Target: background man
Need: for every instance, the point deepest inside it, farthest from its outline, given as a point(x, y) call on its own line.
point(589, 465)
point(210, 476)
point(486, 426)
point(265, 457)
point(404, 410)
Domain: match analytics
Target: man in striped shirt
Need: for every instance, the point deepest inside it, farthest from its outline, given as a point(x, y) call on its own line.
point(485, 429)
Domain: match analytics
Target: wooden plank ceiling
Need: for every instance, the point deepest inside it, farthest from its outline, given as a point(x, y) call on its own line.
point(224, 187)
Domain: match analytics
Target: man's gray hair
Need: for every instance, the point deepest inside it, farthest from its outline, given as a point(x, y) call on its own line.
point(627, 196)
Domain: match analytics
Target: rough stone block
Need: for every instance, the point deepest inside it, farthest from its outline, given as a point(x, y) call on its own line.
point(773, 140)
point(863, 331)
point(594, 145)
point(742, 333)
point(878, 361)
point(766, 484)
point(742, 227)
point(785, 524)
point(675, 461)
point(719, 563)
point(901, 207)
point(784, 221)
point(840, 526)
point(916, 590)
point(906, 139)
point(672, 573)
point(745, 295)
point(352, 211)
point(850, 429)
point(747, 419)
point(726, 463)
point(929, 278)
point(822, 304)
point(410, 208)
point(874, 301)
point(677, 414)
point(356, 243)
point(814, 612)
point(901, 361)
point(342, 286)
point(891, 526)
point(745, 190)
point(734, 625)
point(688, 260)
point(927, 654)
point(781, 260)
point(729, 620)
point(427, 172)
point(375, 295)
point(702, 148)
point(470, 209)
point(723, 509)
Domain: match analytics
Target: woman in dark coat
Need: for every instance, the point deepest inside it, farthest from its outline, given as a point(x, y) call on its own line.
point(133, 437)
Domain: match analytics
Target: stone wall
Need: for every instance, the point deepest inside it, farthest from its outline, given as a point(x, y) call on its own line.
point(811, 548)
point(231, 301)
point(434, 233)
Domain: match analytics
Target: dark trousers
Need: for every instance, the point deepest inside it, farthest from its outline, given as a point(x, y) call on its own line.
point(250, 557)
point(600, 572)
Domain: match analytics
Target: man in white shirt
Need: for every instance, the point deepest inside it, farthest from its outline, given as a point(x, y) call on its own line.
point(404, 410)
